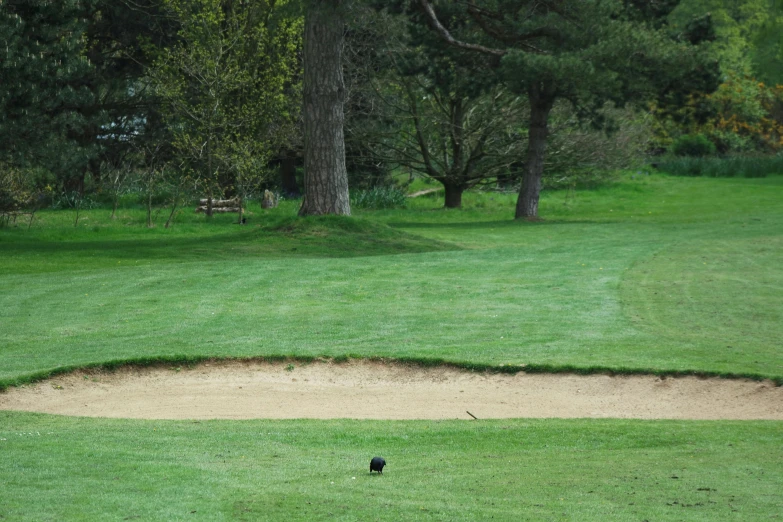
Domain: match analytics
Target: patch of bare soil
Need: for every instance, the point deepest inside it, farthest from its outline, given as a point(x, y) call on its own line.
point(371, 390)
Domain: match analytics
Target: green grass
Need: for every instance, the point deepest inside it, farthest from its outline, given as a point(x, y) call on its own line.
point(653, 273)
point(56, 468)
point(583, 289)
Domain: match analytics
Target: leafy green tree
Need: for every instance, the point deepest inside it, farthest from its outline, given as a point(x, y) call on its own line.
point(588, 53)
point(223, 85)
point(767, 52)
point(748, 34)
point(446, 133)
point(743, 115)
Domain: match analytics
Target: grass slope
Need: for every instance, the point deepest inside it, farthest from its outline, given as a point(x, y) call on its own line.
point(654, 273)
point(56, 468)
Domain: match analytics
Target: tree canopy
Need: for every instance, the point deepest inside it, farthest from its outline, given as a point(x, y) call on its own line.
point(464, 93)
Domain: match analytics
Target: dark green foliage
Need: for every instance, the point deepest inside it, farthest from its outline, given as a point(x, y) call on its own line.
point(737, 166)
point(655, 12)
point(700, 30)
point(76, 100)
point(695, 145)
point(44, 67)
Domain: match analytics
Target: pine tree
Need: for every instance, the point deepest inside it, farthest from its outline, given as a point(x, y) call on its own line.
point(71, 96)
point(43, 88)
point(589, 53)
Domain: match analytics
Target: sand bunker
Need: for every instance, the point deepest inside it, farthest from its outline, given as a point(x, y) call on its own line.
point(372, 390)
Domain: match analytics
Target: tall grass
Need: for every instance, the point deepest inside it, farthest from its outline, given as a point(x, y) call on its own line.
point(378, 198)
point(729, 167)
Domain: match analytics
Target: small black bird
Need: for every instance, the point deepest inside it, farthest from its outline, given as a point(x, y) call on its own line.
point(377, 464)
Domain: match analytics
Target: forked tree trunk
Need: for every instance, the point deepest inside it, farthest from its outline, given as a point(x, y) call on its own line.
point(530, 191)
point(326, 178)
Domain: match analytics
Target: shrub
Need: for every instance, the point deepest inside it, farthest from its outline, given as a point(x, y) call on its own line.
point(580, 155)
point(739, 166)
point(693, 145)
point(18, 193)
point(73, 200)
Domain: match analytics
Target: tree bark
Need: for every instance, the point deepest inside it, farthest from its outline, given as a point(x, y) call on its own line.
point(326, 178)
point(530, 191)
point(453, 195)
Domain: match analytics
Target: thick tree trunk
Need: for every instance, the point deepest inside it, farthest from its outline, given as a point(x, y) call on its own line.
point(453, 195)
point(326, 178)
point(529, 192)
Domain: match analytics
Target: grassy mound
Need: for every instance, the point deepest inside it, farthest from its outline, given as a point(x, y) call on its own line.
point(342, 236)
point(53, 247)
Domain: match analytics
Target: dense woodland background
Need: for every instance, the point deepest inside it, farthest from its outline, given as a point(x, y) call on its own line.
point(162, 102)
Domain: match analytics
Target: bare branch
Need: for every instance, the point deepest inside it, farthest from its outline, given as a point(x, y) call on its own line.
point(446, 36)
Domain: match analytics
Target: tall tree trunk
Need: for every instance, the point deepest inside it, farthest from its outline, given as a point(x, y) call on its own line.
point(453, 195)
point(540, 105)
point(326, 178)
